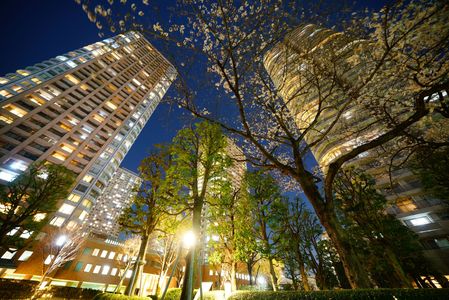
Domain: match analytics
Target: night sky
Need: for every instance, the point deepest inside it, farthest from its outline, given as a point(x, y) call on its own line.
point(35, 30)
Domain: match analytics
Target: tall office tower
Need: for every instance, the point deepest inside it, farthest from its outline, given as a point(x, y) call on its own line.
point(113, 200)
point(83, 110)
point(343, 124)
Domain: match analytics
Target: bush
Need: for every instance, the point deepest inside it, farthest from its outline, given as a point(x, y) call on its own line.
point(16, 289)
point(72, 292)
point(173, 294)
point(362, 294)
point(109, 296)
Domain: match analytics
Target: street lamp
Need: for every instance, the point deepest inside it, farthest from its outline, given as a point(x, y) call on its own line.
point(188, 241)
point(61, 240)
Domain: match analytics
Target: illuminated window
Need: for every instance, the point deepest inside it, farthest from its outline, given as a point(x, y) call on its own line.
point(74, 198)
point(87, 203)
point(88, 178)
point(23, 72)
point(65, 127)
point(17, 164)
point(67, 148)
point(111, 105)
point(113, 272)
point(9, 254)
point(211, 273)
point(129, 273)
point(87, 268)
point(44, 95)
point(98, 118)
point(105, 270)
point(7, 175)
point(25, 255)
point(66, 209)
point(3, 80)
point(49, 258)
point(119, 256)
point(85, 87)
point(111, 255)
point(57, 221)
point(6, 119)
point(17, 88)
point(36, 100)
point(83, 215)
point(13, 231)
point(26, 234)
point(39, 217)
point(104, 253)
point(5, 93)
point(95, 252)
point(125, 258)
point(96, 269)
point(420, 221)
point(72, 225)
point(36, 80)
point(15, 110)
point(59, 155)
point(72, 78)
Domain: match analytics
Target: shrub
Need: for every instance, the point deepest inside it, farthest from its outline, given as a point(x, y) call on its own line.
point(362, 294)
point(72, 292)
point(16, 289)
point(173, 294)
point(110, 296)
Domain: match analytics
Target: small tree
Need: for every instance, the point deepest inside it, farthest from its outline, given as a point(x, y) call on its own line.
point(27, 202)
point(267, 207)
point(147, 208)
point(130, 249)
point(59, 247)
point(381, 239)
point(199, 166)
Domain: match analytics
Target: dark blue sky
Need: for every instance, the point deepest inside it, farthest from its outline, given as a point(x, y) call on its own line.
point(36, 30)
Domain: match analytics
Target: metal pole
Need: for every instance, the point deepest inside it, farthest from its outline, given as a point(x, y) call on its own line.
point(172, 272)
point(190, 278)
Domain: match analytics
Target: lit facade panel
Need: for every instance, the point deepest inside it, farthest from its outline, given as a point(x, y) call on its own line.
point(83, 110)
point(117, 195)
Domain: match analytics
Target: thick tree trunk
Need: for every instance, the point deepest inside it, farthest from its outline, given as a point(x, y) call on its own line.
point(356, 274)
point(304, 277)
point(249, 268)
point(274, 280)
point(233, 277)
point(138, 266)
point(401, 279)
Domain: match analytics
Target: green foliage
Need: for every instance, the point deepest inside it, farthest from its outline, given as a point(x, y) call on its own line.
point(24, 289)
point(388, 248)
point(173, 294)
point(32, 194)
point(432, 166)
point(359, 294)
point(109, 296)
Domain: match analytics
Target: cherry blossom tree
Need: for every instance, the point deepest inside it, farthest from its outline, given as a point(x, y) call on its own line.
point(390, 65)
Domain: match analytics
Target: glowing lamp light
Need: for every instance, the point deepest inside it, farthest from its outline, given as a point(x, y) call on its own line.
point(188, 239)
point(61, 240)
point(261, 281)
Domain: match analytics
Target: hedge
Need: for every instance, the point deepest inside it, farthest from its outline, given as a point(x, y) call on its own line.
point(361, 294)
point(110, 296)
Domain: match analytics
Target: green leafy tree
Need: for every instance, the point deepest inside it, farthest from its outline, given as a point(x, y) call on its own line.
point(147, 208)
point(231, 230)
point(27, 202)
point(267, 209)
point(382, 241)
point(432, 166)
point(199, 168)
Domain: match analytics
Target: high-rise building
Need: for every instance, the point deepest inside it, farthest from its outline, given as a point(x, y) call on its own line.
point(343, 124)
point(117, 195)
point(83, 110)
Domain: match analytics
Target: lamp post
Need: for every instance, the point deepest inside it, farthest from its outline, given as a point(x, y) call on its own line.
point(188, 240)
